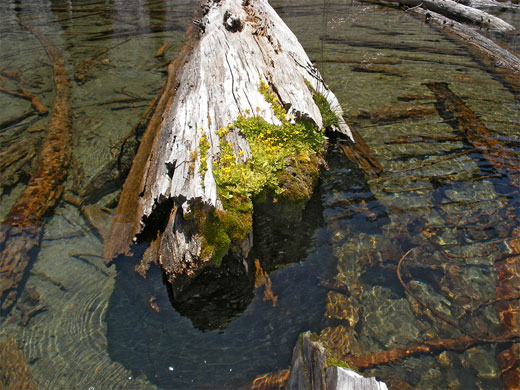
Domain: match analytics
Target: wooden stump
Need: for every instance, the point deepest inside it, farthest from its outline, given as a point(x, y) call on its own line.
point(243, 114)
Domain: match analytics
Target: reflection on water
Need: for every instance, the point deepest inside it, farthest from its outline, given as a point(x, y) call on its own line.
point(340, 271)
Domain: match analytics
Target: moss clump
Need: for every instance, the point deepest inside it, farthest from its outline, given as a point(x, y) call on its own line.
point(284, 161)
point(335, 362)
point(328, 116)
point(203, 148)
point(221, 228)
point(270, 97)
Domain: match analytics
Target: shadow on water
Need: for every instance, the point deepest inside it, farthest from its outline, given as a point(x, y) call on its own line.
point(224, 332)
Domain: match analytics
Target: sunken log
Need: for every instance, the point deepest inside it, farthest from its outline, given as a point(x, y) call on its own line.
point(20, 231)
point(242, 117)
point(461, 12)
point(463, 120)
point(475, 41)
point(504, 63)
point(507, 289)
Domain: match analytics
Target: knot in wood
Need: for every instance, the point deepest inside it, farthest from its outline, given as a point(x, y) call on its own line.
point(232, 22)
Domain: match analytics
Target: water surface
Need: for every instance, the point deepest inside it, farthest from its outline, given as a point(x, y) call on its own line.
point(441, 199)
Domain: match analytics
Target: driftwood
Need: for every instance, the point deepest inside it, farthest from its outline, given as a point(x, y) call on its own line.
point(396, 354)
point(492, 4)
point(458, 11)
point(472, 39)
point(505, 64)
point(497, 59)
point(20, 232)
point(359, 153)
point(395, 114)
point(243, 62)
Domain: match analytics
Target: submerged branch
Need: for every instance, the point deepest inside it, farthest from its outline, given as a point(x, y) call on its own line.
point(20, 232)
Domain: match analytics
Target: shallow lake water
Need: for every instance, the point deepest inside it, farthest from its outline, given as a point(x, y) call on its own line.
point(437, 197)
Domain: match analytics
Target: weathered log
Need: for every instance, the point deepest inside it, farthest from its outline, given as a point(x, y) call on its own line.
point(315, 367)
point(20, 232)
point(497, 59)
point(504, 63)
point(492, 4)
point(461, 12)
point(241, 104)
point(395, 114)
point(471, 38)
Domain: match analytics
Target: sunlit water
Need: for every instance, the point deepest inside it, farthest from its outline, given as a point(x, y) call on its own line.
point(109, 328)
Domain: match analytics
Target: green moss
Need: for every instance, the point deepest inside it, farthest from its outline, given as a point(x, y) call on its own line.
point(284, 162)
point(221, 228)
point(203, 148)
point(335, 362)
point(328, 116)
point(270, 97)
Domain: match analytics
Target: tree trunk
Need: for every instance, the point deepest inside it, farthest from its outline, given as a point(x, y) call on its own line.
point(241, 109)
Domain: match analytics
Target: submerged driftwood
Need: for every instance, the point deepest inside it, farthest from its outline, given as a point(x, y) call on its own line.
point(504, 161)
point(242, 71)
point(20, 232)
point(504, 63)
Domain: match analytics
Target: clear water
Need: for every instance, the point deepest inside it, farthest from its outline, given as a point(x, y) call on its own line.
point(439, 199)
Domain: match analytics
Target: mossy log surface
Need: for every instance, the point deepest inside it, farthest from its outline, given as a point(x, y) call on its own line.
point(242, 97)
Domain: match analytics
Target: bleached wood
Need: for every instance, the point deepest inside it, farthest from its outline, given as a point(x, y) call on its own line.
point(241, 44)
point(502, 57)
point(455, 10)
